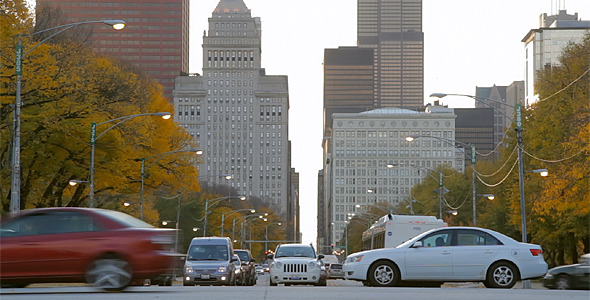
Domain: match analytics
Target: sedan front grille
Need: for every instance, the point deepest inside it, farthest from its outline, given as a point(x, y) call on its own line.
point(298, 268)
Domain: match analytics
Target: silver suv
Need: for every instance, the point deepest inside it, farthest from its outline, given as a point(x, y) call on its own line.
point(209, 261)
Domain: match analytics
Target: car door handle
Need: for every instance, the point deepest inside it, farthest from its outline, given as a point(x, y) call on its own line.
point(489, 251)
point(446, 252)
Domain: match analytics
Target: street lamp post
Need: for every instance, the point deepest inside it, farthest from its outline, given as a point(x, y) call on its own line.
point(143, 167)
point(266, 234)
point(94, 137)
point(244, 229)
point(18, 70)
point(453, 142)
point(232, 212)
point(215, 201)
point(177, 220)
point(233, 230)
point(441, 188)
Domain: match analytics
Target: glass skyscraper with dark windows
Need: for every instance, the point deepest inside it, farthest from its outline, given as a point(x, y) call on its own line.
point(393, 28)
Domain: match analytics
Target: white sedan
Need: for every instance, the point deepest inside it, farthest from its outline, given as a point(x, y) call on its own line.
point(463, 254)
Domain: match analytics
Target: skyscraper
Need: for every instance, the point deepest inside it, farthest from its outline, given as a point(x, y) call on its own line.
point(348, 82)
point(543, 46)
point(237, 113)
point(393, 28)
point(155, 39)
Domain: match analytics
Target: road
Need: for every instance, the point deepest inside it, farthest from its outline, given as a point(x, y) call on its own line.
point(336, 290)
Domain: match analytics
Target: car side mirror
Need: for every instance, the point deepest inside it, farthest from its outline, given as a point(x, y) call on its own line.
point(320, 256)
point(252, 259)
point(417, 244)
point(270, 256)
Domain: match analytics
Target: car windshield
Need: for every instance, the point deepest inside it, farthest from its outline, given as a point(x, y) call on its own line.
point(302, 251)
point(208, 252)
point(124, 219)
point(243, 255)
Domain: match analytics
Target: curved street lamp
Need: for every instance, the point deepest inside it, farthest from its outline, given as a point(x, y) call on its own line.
point(454, 142)
point(232, 212)
point(441, 189)
point(93, 138)
point(266, 234)
point(15, 185)
point(161, 156)
point(215, 201)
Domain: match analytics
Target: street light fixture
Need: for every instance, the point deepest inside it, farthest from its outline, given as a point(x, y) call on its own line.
point(15, 185)
point(232, 212)
point(75, 182)
point(143, 168)
point(454, 142)
point(94, 137)
point(215, 201)
point(258, 215)
point(266, 234)
point(441, 189)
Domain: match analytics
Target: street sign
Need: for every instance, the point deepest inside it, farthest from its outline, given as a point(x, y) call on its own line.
point(518, 109)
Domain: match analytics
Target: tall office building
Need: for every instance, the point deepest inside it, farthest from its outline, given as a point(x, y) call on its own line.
point(393, 28)
point(348, 82)
point(237, 113)
point(155, 39)
point(543, 46)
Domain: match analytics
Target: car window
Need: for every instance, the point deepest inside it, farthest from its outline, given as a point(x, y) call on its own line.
point(468, 237)
point(50, 223)
point(124, 219)
point(437, 239)
point(208, 252)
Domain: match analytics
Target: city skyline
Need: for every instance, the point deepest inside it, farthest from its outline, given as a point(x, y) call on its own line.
point(460, 38)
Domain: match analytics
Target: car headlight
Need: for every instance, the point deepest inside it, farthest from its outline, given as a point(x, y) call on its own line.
point(278, 265)
point(312, 264)
point(355, 259)
point(222, 269)
point(188, 269)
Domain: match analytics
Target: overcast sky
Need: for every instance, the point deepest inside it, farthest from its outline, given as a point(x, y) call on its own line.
point(467, 43)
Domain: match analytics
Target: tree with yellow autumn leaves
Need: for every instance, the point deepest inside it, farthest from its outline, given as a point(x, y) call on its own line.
point(66, 87)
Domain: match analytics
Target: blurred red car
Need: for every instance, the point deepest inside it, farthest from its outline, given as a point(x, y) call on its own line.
point(107, 249)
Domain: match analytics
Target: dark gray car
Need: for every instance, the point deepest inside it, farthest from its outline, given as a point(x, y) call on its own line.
point(210, 261)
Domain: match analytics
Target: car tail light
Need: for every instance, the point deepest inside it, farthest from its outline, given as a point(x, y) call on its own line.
point(536, 252)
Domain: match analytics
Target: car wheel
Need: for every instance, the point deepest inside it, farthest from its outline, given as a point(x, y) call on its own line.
point(272, 283)
point(112, 274)
point(563, 282)
point(383, 274)
point(501, 275)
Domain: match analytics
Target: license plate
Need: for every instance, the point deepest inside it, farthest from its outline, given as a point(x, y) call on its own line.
point(205, 276)
point(294, 278)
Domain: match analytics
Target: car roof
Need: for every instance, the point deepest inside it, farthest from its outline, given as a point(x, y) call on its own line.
point(295, 245)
